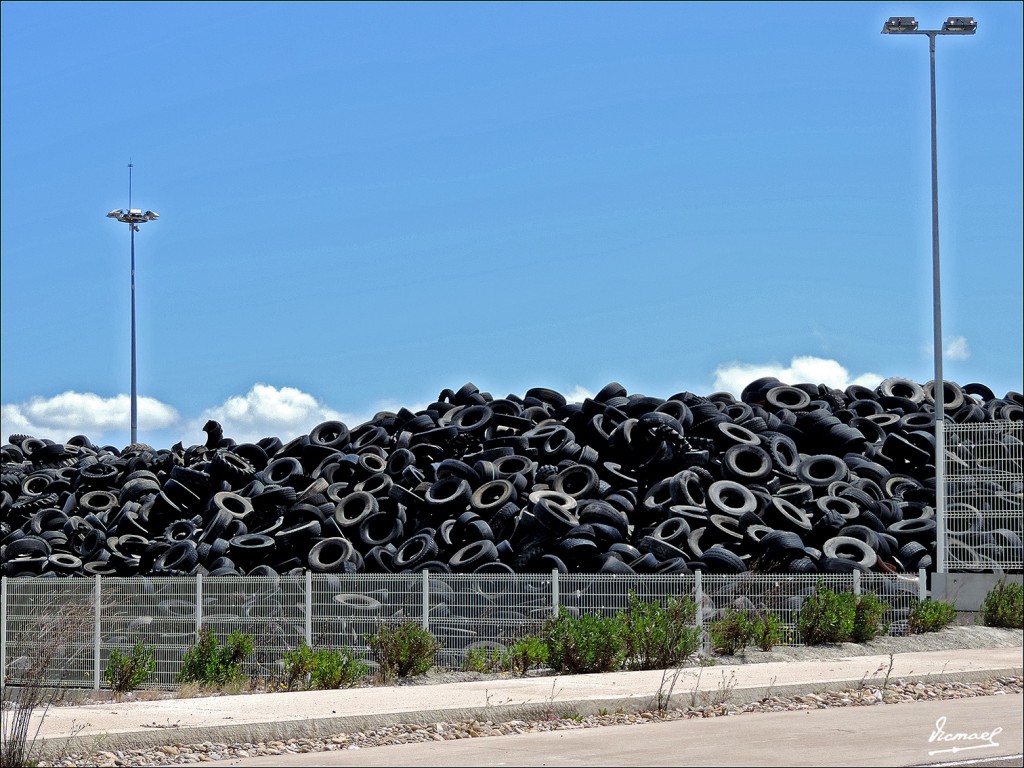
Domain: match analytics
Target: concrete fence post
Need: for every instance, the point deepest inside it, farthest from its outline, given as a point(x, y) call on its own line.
point(4, 613)
point(426, 599)
point(309, 608)
point(856, 583)
point(698, 598)
point(554, 592)
point(97, 602)
point(922, 585)
point(199, 603)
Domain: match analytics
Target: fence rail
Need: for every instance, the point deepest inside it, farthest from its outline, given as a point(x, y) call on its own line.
point(464, 611)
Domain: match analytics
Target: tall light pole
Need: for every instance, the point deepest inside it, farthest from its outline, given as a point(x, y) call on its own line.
point(954, 25)
point(133, 217)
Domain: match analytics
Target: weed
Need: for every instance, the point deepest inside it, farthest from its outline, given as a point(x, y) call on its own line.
point(28, 687)
point(1004, 606)
point(888, 674)
point(211, 663)
point(126, 672)
point(930, 616)
point(724, 690)
point(663, 696)
point(403, 649)
point(482, 659)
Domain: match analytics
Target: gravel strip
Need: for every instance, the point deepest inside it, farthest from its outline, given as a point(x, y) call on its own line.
point(705, 705)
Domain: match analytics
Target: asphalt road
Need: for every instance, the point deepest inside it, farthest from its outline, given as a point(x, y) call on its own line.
point(888, 734)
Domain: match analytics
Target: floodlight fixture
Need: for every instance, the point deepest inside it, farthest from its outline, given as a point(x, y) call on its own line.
point(960, 25)
point(897, 24)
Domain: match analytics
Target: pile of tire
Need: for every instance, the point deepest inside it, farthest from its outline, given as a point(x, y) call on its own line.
point(801, 478)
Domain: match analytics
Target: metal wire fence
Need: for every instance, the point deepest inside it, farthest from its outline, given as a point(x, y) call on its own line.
point(463, 611)
point(984, 496)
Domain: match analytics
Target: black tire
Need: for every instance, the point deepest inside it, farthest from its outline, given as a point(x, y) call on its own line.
point(786, 398)
point(450, 494)
point(718, 559)
point(380, 529)
point(913, 529)
point(330, 434)
point(673, 530)
point(727, 497)
point(472, 556)
point(180, 556)
point(899, 387)
point(660, 548)
point(554, 511)
point(849, 548)
point(327, 555)
point(578, 481)
point(822, 470)
point(236, 504)
point(414, 550)
point(786, 515)
point(353, 509)
point(781, 545)
point(490, 497)
point(232, 467)
point(747, 464)
point(612, 564)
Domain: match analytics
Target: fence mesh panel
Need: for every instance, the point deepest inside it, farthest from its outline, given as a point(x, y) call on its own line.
point(463, 611)
point(985, 496)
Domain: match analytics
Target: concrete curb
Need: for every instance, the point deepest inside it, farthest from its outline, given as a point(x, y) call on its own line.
point(550, 708)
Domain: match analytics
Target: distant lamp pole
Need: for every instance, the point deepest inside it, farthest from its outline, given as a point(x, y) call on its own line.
point(133, 217)
point(954, 25)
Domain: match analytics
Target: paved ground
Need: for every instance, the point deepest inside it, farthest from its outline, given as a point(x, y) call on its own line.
point(270, 716)
point(888, 734)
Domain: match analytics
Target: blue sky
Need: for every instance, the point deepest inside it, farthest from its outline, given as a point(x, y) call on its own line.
point(363, 204)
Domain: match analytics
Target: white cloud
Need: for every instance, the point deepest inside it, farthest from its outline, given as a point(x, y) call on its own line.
point(578, 394)
point(957, 348)
point(734, 377)
point(266, 411)
point(71, 413)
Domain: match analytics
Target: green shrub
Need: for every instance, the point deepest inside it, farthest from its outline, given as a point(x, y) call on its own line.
point(827, 616)
point(930, 616)
point(298, 664)
point(585, 643)
point(659, 637)
point(211, 663)
point(336, 668)
point(523, 655)
point(766, 630)
point(126, 672)
point(1004, 606)
point(483, 659)
point(869, 618)
point(731, 633)
point(322, 669)
point(404, 649)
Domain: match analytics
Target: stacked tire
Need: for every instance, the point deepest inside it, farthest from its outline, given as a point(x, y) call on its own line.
point(799, 478)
